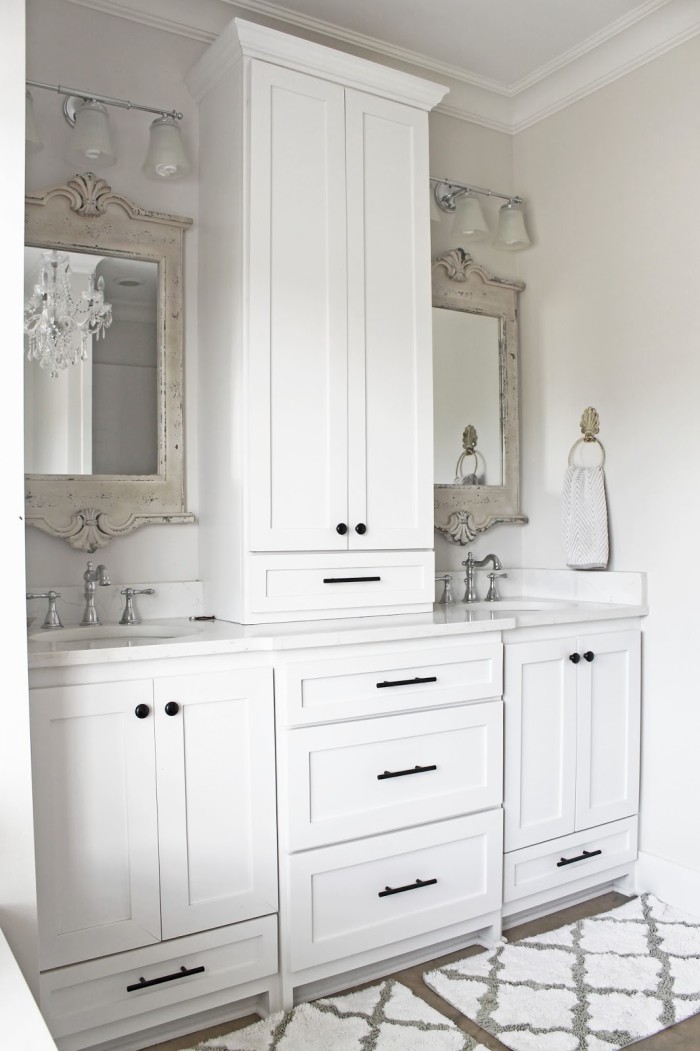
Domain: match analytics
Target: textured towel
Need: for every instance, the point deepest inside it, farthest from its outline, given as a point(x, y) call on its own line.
point(585, 518)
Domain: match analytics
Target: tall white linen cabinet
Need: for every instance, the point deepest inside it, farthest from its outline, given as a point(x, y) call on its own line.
point(314, 331)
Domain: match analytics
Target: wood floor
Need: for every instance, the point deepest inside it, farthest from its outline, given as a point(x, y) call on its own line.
point(682, 1037)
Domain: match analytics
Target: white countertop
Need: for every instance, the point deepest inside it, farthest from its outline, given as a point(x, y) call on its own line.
point(223, 637)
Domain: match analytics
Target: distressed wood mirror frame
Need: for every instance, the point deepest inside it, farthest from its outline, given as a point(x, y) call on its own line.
point(88, 511)
point(464, 511)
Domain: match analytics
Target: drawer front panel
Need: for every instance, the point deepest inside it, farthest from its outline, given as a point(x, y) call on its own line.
point(321, 691)
point(299, 582)
point(81, 997)
point(435, 876)
point(558, 862)
point(376, 775)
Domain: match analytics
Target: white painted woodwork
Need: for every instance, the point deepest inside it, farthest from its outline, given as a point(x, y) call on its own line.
point(315, 314)
point(334, 788)
point(85, 1003)
point(537, 868)
point(298, 585)
point(96, 820)
point(216, 799)
point(572, 735)
point(350, 687)
point(335, 908)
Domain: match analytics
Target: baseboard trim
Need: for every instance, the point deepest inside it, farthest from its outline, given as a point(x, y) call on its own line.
point(670, 882)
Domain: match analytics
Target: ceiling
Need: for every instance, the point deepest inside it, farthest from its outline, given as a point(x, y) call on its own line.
point(507, 63)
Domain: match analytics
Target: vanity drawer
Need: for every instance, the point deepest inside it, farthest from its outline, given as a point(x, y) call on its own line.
point(539, 868)
point(377, 775)
point(416, 677)
point(90, 995)
point(304, 584)
point(339, 903)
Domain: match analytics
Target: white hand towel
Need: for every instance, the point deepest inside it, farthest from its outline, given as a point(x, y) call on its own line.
point(585, 518)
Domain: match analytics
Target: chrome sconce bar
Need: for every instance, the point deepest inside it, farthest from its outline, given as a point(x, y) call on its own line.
point(462, 201)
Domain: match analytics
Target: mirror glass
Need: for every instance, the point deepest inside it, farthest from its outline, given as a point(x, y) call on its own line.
point(99, 416)
point(467, 391)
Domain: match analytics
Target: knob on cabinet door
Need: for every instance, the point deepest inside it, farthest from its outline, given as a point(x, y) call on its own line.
point(172, 708)
point(361, 528)
point(574, 658)
point(589, 655)
point(141, 711)
point(341, 528)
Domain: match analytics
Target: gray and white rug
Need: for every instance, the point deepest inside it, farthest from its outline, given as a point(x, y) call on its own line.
point(385, 1017)
point(595, 985)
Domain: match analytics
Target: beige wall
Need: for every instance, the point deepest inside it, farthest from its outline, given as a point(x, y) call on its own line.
point(610, 319)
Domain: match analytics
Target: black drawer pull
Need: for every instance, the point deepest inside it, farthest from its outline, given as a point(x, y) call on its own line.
point(405, 773)
point(581, 857)
point(406, 682)
point(348, 580)
point(411, 886)
point(184, 972)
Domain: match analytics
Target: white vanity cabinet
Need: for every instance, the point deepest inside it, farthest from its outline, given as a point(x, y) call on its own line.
point(572, 729)
point(155, 822)
point(390, 786)
point(316, 331)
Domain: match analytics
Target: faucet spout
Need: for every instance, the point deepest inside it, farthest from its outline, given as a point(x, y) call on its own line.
point(92, 578)
point(470, 565)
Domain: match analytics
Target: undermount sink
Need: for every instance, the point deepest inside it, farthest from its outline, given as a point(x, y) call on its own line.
point(96, 636)
point(515, 605)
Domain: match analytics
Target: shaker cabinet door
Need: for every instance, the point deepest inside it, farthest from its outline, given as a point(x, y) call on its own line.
point(95, 817)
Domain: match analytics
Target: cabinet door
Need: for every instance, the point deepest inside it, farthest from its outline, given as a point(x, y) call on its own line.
point(96, 823)
point(389, 325)
point(607, 781)
point(540, 734)
point(216, 798)
point(297, 321)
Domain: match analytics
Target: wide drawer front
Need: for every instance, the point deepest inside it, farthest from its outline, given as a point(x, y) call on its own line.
point(377, 775)
point(348, 580)
point(546, 866)
point(83, 996)
point(415, 677)
point(357, 896)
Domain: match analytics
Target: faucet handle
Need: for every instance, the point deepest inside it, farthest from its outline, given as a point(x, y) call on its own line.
point(447, 591)
point(492, 594)
point(129, 616)
point(52, 619)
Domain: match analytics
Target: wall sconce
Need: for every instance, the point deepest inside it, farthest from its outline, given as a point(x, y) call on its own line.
point(462, 201)
point(86, 112)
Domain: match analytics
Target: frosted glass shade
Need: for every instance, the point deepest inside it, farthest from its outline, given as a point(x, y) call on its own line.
point(512, 233)
point(166, 157)
point(92, 140)
point(31, 135)
point(469, 220)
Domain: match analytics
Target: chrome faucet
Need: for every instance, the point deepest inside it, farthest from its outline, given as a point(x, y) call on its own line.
point(470, 565)
point(130, 616)
point(52, 619)
point(92, 577)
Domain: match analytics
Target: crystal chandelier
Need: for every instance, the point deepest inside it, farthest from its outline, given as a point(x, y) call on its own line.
point(57, 323)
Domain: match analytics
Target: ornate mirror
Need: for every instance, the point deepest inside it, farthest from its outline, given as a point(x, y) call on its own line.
point(475, 377)
point(103, 433)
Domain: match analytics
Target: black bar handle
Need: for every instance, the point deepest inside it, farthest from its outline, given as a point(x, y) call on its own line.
point(411, 886)
point(184, 972)
point(348, 580)
point(407, 682)
point(405, 773)
point(581, 857)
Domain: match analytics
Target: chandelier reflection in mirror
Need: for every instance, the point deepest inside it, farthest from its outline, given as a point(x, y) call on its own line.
point(58, 323)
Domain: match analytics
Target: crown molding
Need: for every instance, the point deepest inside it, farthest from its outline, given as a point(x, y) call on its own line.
point(625, 45)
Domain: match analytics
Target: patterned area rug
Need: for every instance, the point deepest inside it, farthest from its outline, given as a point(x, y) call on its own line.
point(386, 1017)
point(598, 984)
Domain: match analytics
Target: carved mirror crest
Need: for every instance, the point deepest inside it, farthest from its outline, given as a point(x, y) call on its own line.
point(104, 437)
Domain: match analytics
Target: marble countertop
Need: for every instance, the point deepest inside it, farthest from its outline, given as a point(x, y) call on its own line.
point(192, 638)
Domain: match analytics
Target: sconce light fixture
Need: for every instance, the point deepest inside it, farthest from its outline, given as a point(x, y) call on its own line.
point(92, 141)
point(462, 201)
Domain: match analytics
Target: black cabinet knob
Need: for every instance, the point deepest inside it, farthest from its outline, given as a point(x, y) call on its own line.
point(589, 655)
point(361, 528)
point(341, 528)
point(575, 658)
point(172, 708)
point(141, 711)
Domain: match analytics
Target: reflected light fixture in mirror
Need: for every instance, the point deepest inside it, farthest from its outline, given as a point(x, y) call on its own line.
point(462, 201)
point(86, 112)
